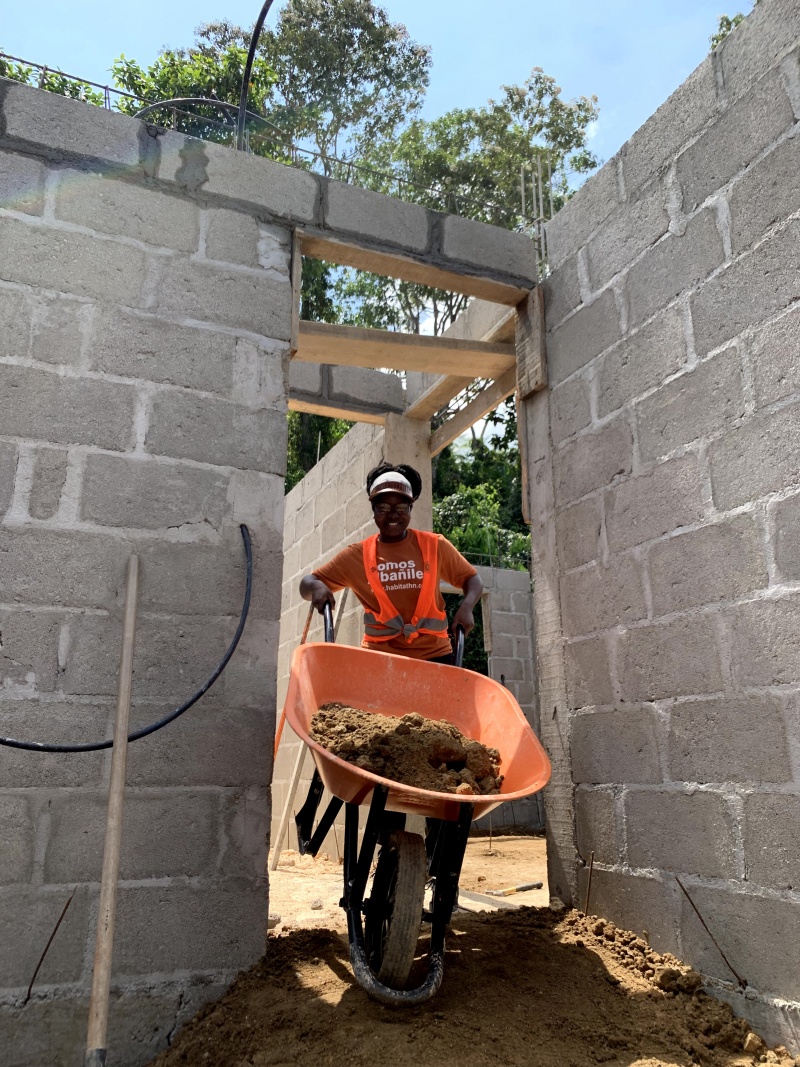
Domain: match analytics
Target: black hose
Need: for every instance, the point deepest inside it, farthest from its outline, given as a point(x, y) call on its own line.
point(96, 746)
point(251, 55)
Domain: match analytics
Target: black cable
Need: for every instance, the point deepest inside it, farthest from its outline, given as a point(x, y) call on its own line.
point(248, 68)
point(96, 746)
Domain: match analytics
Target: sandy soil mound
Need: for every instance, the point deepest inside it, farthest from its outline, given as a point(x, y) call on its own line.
point(527, 988)
point(412, 750)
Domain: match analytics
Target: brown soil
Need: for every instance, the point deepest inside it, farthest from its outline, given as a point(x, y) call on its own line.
point(526, 988)
point(412, 750)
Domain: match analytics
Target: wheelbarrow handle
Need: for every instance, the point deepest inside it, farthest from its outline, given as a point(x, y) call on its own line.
point(327, 618)
point(459, 645)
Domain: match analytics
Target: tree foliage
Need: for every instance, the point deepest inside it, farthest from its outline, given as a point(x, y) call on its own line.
point(469, 161)
point(726, 24)
point(53, 81)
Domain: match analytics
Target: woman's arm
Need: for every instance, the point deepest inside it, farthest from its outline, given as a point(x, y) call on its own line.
point(473, 587)
point(317, 592)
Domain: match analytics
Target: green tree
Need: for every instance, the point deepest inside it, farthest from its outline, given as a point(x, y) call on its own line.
point(53, 81)
point(726, 24)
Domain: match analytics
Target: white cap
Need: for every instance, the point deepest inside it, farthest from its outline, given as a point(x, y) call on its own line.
point(391, 482)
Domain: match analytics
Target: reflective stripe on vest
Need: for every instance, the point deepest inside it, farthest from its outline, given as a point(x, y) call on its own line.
point(427, 617)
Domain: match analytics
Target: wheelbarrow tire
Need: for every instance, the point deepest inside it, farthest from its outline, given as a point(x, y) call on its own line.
point(395, 907)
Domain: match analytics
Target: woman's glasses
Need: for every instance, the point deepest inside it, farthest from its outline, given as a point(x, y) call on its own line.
point(386, 509)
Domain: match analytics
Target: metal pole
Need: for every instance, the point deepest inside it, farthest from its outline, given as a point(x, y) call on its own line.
point(104, 945)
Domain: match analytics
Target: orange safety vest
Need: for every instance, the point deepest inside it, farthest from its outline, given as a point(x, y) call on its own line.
point(427, 617)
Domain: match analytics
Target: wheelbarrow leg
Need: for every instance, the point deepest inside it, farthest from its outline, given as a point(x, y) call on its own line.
point(447, 857)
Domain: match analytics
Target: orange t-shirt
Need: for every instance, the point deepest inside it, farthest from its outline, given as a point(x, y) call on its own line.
point(401, 569)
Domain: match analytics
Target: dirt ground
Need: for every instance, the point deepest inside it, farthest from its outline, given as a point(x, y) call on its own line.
point(524, 986)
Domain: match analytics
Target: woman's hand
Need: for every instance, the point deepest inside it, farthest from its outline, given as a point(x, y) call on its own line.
point(463, 617)
point(317, 592)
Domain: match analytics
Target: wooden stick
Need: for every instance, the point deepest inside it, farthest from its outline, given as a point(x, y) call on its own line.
point(101, 976)
point(282, 720)
point(589, 885)
point(287, 807)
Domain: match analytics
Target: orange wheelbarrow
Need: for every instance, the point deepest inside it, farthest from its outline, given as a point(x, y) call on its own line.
point(411, 870)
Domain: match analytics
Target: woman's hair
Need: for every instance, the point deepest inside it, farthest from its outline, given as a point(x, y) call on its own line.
point(413, 476)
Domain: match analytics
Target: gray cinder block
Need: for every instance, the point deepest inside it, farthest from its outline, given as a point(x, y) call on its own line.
point(70, 262)
point(786, 519)
point(734, 140)
point(19, 834)
point(26, 922)
point(118, 491)
point(58, 330)
point(598, 597)
point(165, 835)
point(211, 927)
point(67, 723)
point(757, 44)
point(142, 346)
point(753, 288)
point(490, 247)
point(366, 214)
point(641, 361)
point(715, 741)
point(186, 426)
point(776, 369)
point(595, 826)
point(50, 123)
point(231, 236)
point(16, 311)
point(635, 226)
point(765, 642)
point(56, 567)
point(593, 460)
point(29, 652)
point(578, 533)
point(211, 169)
point(753, 932)
point(757, 458)
point(569, 409)
point(49, 475)
point(245, 300)
point(615, 747)
point(700, 402)
point(766, 194)
point(683, 832)
point(588, 674)
point(717, 562)
point(667, 497)
point(674, 264)
point(145, 213)
point(562, 292)
point(645, 905)
point(691, 106)
point(42, 405)
point(670, 659)
point(582, 214)
point(771, 857)
point(21, 183)
point(584, 335)
point(8, 468)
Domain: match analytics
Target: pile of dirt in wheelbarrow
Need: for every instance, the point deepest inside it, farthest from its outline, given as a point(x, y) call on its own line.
point(411, 750)
point(527, 988)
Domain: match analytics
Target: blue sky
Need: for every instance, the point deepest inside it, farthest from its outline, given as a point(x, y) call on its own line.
point(631, 53)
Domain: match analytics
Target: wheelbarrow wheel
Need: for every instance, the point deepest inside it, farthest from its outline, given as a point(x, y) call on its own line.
point(395, 906)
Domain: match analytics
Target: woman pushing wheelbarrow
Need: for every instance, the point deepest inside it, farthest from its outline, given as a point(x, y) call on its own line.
point(406, 664)
point(395, 575)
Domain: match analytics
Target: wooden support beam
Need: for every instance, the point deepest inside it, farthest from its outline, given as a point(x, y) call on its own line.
point(335, 410)
point(351, 346)
point(530, 336)
point(483, 403)
point(320, 245)
point(442, 391)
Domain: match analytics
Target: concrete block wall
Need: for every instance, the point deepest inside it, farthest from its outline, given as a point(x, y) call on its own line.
point(143, 355)
point(665, 489)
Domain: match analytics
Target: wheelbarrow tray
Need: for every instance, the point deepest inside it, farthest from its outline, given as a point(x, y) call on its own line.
point(396, 685)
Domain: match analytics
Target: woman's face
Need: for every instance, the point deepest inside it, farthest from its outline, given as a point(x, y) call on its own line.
point(392, 512)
